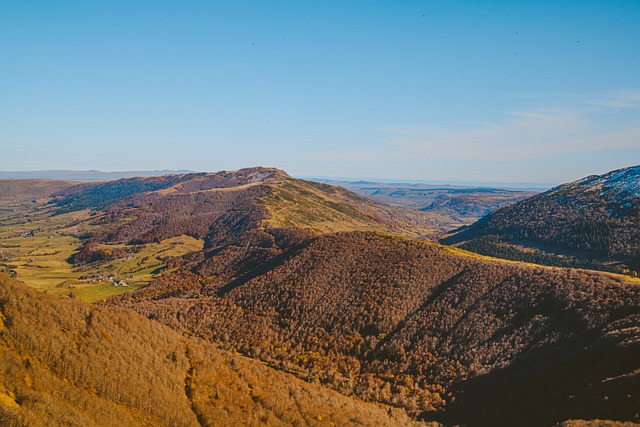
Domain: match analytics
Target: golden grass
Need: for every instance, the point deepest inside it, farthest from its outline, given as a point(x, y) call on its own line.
point(16, 190)
point(8, 401)
point(296, 203)
point(464, 253)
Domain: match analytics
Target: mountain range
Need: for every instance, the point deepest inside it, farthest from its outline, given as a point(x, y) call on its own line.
point(311, 287)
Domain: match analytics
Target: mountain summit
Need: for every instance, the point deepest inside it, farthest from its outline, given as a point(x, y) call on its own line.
point(204, 205)
point(621, 186)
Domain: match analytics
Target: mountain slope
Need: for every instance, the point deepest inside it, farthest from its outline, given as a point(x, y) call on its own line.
point(248, 260)
point(202, 205)
point(419, 326)
point(129, 229)
point(593, 223)
point(68, 363)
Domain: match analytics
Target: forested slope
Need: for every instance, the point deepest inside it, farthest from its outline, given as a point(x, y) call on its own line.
point(442, 333)
point(221, 207)
point(422, 327)
point(591, 223)
point(68, 363)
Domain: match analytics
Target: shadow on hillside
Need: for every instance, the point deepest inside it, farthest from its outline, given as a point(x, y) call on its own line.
point(589, 379)
point(261, 269)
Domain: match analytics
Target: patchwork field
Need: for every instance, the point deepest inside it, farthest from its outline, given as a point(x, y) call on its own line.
point(37, 247)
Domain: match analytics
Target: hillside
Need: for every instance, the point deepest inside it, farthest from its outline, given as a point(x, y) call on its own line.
point(441, 333)
point(20, 190)
point(590, 223)
point(67, 363)
point(202, 204)
point(98, 239)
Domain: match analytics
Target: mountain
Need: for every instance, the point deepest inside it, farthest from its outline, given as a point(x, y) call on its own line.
point(65, 362)
point(591, 223)
point(442, 333)
point(248, 198)
point(99, 239)
point(261, 211)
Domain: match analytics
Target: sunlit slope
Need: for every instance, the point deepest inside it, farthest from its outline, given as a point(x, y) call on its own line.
point(19, 190)
point(201, 205)
point(322, 208)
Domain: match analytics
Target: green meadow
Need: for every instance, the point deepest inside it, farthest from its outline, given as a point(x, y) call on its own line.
point(36, 247)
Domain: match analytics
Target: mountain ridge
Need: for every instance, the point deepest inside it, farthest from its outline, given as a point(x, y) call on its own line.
point(593, 222)
point(78, 175)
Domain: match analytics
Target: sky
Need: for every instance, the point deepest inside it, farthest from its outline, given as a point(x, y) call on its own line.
point(493, 91)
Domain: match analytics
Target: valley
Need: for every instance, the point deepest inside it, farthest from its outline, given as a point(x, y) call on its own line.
point(446, 207)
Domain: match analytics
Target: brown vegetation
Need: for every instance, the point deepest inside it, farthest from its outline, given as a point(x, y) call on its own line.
point(67, 363)
point(583, 224)
point(441, 333)
point(408, 324)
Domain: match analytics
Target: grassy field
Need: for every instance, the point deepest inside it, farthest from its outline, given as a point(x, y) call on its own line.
point(36, 246)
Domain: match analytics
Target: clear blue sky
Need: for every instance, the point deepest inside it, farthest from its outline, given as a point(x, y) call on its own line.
point(513, 91)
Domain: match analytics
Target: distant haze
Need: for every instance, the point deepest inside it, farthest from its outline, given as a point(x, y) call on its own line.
point(536, 186)
point(94, 175)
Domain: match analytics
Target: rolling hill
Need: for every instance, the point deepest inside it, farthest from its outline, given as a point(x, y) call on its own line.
point(233, 201)
point(20, 190)
point(590, 223)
